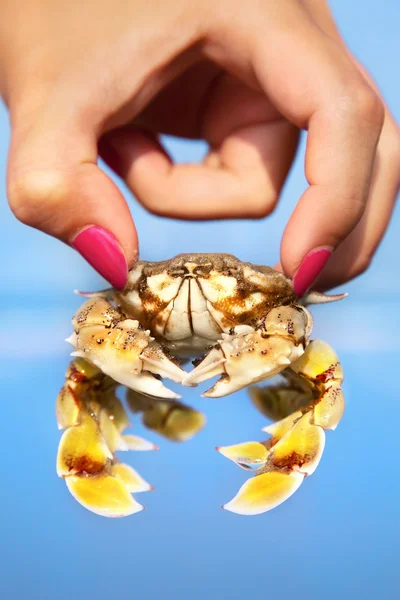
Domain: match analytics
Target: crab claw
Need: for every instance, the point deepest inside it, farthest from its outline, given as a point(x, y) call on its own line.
point(94, 420)
point(297, 441)
point(321, 368)
point(156, 360)
point(295, 455)
point(104, 495)
point(247, 455)
point(249, 356)
point(85, 461)
point(242, 360)
point(122, 349)
point(264, 492)
point(134, 482)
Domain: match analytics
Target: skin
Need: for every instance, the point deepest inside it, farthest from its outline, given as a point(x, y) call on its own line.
point(105, 77)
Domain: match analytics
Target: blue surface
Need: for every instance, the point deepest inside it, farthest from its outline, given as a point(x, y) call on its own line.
point(338, 536)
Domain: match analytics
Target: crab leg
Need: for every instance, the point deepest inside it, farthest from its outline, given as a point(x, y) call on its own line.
point(248, 355)
point(279, 401)
point(94, 420)
point(297, 441)
point(169, 418)
point(122, 349)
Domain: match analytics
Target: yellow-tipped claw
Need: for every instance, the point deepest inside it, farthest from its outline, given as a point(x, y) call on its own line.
point(264, 492)
point(135, 442)
point(114, 440)
point(67, 407)
point(278, 430)
point(104, 495)
point(300, 449)
point(115, 410)
point(319, 363)
point(297, 441)
point(95, 419)
point(329, 409)
point(321, 367)
point(247, 455)
point(297, 450)
point(82, 449)
point(134, 483)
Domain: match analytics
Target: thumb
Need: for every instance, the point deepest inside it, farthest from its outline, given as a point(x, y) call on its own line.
point(55, 185)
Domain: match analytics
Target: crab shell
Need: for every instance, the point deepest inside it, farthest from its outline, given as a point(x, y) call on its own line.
point(189, 301)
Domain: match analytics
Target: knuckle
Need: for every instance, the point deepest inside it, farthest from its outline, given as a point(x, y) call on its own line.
point(362, 265)
point(32, 194)
point(354, 204)
point(364, 104)
point(155, 205)
point(262, 204)
point(159, 211)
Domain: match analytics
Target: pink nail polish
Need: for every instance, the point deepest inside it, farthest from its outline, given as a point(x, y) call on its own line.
point(311, 266)
point(102, 251)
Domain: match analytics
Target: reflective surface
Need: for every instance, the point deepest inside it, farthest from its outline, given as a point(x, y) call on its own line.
point(338, 536)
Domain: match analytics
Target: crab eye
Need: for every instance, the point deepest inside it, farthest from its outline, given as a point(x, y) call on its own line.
point(231, 272)
point(179, 272)
point(202, 270)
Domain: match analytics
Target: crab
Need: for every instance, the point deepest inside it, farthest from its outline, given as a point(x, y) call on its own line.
point(246, 324)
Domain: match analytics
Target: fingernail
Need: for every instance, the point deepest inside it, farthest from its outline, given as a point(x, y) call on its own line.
point(311, 266)
point(102, 251)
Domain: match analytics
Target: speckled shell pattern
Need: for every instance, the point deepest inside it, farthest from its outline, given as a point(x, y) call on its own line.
point(193, 298)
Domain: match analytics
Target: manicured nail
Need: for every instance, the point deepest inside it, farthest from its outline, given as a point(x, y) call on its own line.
point(311, 266)
point(102, 251)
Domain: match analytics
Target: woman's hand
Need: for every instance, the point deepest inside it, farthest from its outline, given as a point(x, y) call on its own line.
point(108, 75)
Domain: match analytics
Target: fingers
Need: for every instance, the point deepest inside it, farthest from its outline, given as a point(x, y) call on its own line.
point(344, 119)
point(354, 255)
point(55, 185)
point(313, 83)
point(251, 153)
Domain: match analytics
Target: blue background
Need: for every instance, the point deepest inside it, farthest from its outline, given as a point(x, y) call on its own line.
point(338, 536)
